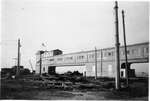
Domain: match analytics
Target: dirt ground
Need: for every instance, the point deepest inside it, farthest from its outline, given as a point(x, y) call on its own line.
point(14, 89)
point(71, 95)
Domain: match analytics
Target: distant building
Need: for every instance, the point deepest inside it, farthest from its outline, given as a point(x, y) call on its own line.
point(15, 68)
point(10, 71)
point(6, 70)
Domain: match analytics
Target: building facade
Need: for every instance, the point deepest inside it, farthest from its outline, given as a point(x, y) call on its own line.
point(104, 60)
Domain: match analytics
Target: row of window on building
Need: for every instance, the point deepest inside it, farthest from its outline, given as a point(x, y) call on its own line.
point(105, 54)
point(134, 51)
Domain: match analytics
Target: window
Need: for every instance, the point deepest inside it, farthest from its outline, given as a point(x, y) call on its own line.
point(128, 52)
point(51, 59)
point(59, 59)
point(112, 53)
point(133, 51)
point(80, 57)
point(123, 52)
point(69, 58)
point(98, 55)
point(105, 54)
point(109, 53)
point(44, 69)
point(91, 55)
point(147, 50)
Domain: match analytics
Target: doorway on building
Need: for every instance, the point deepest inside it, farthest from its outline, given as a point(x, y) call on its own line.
point(51, 70)
point(131, 71)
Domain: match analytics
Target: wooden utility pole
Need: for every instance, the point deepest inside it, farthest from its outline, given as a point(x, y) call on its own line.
point(18, 62)
point(101, 62)
point(40, 61)
point(125, 48)
point(117, 45)
point(95, 63)
point(41, 52)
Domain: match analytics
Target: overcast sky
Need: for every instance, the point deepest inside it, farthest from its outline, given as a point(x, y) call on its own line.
point(69, 26)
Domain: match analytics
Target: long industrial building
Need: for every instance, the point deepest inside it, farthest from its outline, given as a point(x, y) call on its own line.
point(100, 60)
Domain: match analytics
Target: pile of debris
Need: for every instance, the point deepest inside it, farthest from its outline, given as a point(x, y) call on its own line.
point(66, 82)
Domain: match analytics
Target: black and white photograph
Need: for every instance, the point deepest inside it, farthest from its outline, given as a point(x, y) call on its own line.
point(74, 50)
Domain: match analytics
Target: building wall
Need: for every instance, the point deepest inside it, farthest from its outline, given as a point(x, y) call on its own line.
point(105, 59)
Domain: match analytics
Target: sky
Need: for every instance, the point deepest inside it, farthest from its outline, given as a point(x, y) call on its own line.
point(70, 26)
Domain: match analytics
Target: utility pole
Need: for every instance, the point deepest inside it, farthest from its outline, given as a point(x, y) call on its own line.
point(125, 48)
point(18, 62)
point(101, 62)
point(40, 62)
point(117, 45)
point(41, 52)
point(95, 63)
